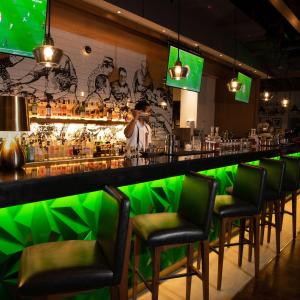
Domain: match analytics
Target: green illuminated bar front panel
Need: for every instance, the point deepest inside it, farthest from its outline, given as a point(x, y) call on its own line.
point(77, 217)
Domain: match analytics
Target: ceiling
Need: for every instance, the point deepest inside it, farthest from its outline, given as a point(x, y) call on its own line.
point(254, 31)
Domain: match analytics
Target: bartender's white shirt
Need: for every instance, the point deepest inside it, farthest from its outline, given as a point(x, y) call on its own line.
point(141, 133)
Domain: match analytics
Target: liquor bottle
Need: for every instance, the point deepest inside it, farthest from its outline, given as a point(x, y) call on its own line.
point(48, 109)
point(101, 107)
point(87, 109)
point(109, 114)
point(31, 153)
point(34, 107)
point(64, 108)
point(82, 110)
point(116, 113)
point(29, 107)
point(69, 107)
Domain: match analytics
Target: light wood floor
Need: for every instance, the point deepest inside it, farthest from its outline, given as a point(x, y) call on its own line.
point(234, 278)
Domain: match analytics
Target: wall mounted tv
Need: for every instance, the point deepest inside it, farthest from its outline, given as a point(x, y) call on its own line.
point(195, 64)
point(22, 26)
point(243, 95)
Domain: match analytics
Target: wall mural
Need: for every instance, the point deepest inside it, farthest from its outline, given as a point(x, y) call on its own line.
point(104, 81)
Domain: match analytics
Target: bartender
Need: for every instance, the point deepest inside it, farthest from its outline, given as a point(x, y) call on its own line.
point(138, 132)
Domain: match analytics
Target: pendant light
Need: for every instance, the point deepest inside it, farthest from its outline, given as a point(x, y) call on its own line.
point(47, 55)
point(285, 102)
point(266, 95)
point(178, 71)
point(234, 85)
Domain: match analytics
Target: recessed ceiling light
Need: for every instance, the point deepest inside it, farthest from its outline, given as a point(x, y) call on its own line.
point(196, 45)
point(254, 71)
point(240, 64)
point(220, 55)
point(119, 12)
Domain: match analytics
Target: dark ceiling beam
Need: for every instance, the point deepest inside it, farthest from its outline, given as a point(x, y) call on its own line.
point(287, 13)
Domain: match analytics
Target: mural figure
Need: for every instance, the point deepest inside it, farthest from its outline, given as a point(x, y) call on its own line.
point(101, 92)
point(161, 106)
point(105, 68)
point(59, 82)
point(120, 89)
point(6, 62)
point(142, 82)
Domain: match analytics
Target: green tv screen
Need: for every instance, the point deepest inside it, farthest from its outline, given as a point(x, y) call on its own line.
point(243, 95)
point(195, 64)
point(22, 25)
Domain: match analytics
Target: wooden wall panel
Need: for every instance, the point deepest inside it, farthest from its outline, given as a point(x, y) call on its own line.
point(86, 24)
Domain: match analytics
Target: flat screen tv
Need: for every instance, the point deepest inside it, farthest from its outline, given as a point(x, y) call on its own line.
point(243, 95)
point(195, 64)
point(22, 26)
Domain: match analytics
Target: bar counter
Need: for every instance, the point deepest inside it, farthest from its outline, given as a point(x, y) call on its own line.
point(61, 201)
point(40, 181)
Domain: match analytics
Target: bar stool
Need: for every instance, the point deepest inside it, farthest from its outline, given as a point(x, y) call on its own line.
point(244, 203)
point(272, 198)
point(290, 186)
point(190, 224)
point(75, 266)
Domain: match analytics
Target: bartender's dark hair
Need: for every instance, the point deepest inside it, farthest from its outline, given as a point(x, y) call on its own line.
point(141, 105)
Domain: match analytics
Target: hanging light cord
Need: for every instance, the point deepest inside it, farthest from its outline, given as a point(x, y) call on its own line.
point(143, 9)
point(178, 28)
point(235, 40)
point(49, 18)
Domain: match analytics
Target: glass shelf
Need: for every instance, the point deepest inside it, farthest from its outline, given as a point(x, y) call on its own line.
point(44, 120)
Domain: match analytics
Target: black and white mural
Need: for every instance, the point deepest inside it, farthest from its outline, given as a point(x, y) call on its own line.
point(110, 76)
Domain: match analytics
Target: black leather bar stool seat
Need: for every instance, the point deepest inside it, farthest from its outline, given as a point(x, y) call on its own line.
point(166, 229)
point(244, 204)
point(190, 224)
point(272, 198)
point(291, 184)
point(230, 206)
point(76, 265)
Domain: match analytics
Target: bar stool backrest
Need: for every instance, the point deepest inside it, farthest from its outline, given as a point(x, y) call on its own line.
point(292, 172)
point(198, 199)
point(250, 184)
point(275, 171)
point(113, 227)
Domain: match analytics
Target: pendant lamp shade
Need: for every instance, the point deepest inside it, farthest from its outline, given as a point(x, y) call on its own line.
point(47, 55)
point(234, 85)
point(285, 102)
point(178, 71)
point(266, 96)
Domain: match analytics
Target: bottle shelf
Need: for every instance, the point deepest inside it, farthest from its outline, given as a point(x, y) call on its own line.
point(44, 120)
point(72, 161)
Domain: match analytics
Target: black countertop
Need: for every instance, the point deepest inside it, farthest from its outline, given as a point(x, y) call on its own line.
point(47, 181)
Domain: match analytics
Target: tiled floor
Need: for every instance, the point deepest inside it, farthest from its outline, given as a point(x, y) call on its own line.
point(234, 278)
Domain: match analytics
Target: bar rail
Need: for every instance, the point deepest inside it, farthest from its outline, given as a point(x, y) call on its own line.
point(27, 186)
